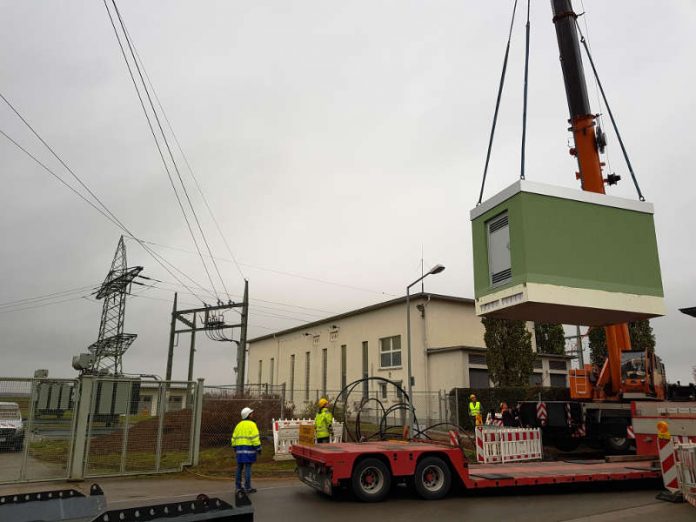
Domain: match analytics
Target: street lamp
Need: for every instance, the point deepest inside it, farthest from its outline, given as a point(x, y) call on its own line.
point(434, 270)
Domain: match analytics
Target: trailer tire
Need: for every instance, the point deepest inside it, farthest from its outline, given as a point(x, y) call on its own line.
point(371, 480)
point(618, 444)
point(433, 478)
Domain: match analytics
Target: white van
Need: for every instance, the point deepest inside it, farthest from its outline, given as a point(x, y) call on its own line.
point(11, 426)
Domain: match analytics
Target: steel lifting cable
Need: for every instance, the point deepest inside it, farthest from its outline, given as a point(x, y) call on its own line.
point(497, 104)
point(524, 106)
point(611, 115)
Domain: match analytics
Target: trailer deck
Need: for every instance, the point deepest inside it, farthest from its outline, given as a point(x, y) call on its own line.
point(561, 472)
point(327, 466)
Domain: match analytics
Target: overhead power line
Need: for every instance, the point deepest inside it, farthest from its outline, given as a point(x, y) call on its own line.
point(102, 208)
point(281, 272)
point(184, 156)
point(163, 135)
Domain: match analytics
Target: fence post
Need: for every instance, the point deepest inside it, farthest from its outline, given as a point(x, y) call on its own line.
point(83, 412)
point(282, 402)
point(439, 404)
point(160, 427)
point(124, 438)
point(196, 420)
point(456, 406)
point(27, 432)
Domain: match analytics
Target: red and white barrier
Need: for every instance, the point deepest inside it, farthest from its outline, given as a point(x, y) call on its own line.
point(630, 433)
point(541, 413)
point(668, 463)
point(521, 444)
point(487, 445)
point(497, 445)
point(686, 470)
point(286, 432)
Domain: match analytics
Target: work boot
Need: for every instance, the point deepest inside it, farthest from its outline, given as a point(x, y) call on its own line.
point(250, 490)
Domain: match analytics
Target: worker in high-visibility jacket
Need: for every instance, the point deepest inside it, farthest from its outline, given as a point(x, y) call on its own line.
point(475, 410)
point(323, 422)
point(247, 444)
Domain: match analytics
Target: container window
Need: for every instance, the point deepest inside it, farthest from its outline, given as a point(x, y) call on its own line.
point(499, 264)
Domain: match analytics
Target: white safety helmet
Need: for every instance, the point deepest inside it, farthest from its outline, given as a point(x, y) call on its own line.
point(246, 412)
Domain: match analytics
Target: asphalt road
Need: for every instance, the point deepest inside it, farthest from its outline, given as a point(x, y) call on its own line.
point(289, 500)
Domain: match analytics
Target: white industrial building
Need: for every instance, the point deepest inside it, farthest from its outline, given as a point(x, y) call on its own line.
point(447, 349)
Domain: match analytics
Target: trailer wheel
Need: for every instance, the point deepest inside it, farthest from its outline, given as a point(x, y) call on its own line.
point(433, 478)
point(618, 444)
point(371, 480)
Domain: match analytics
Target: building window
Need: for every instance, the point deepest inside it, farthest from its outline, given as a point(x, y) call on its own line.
point(478, 378)
point(558, 380)
point(390, 352)
point(324, 364)
point(292, 377)
point(272, 370)
point(557, 365)
point(260, 372)
point(383, 390)
point(315, 340)
point(333, 335)
point(536, 379)
point(306, 380)
point(537, 364)
point(399, 387)
point(477, 359)
point(344, 360)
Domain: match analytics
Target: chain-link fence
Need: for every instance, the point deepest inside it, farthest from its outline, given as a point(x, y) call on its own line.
point(220, 413)
point(139, 426)
point(36, 428)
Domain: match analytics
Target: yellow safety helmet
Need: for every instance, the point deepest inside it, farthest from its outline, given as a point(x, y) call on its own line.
point(323, 402)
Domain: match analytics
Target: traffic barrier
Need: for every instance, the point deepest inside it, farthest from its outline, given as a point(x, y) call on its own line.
point(497, 445)
point(487, 445)
point(286, 432)
point(668, 463)
point(686, 470)
point(520, 444)
point(630, 433)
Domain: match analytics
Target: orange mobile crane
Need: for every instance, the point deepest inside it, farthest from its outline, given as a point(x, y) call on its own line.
point(642, 376)
point(600, 410)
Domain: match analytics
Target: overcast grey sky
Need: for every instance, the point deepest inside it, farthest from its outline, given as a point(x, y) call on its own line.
point(334, 140)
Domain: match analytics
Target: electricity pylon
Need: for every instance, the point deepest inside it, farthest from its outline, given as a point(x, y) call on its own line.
point(112, 343)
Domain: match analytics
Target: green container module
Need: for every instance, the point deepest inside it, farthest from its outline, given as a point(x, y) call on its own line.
point(557, 255)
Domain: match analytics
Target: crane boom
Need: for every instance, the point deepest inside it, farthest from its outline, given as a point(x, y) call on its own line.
point(586, 150)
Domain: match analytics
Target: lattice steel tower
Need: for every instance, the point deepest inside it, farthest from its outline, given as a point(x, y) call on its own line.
point(112, 342)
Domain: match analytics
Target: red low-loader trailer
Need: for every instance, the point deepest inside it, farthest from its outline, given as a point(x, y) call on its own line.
point(370, 468)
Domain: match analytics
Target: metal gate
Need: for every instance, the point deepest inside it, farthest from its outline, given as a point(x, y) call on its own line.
point(37, 423)
point(137, 427)
point(57, 429)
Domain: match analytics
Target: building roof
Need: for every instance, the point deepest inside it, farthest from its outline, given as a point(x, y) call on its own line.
point(366, 309)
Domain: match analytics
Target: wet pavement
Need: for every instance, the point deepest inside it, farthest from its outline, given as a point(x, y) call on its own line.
point(290, 500)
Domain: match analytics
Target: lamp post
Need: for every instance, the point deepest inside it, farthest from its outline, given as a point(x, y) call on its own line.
point(434, 270)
